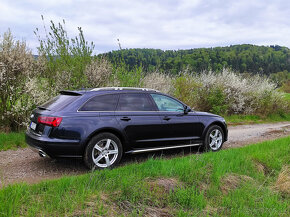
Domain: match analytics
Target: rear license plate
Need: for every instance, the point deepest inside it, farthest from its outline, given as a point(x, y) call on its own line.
point(33, 126)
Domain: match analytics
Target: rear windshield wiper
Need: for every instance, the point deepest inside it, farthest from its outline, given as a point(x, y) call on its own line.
point(42, 108)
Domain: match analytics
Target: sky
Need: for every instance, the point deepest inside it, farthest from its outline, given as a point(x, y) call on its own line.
point(167, 25)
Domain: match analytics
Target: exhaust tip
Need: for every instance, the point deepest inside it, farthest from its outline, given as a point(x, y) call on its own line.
point(42, 153)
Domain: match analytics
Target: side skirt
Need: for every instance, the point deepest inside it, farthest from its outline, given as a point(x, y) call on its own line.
point(160, 148)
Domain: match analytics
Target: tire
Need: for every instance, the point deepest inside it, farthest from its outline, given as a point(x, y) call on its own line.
point(214, 138)
point(103, 151)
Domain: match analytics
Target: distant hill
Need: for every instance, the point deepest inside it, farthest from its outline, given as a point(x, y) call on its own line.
point(242, 58)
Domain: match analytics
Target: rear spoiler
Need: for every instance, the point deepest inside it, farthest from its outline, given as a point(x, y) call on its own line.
point(69, 92)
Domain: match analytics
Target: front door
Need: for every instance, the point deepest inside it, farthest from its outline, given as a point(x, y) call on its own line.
point(182, 128)
point(139, 119)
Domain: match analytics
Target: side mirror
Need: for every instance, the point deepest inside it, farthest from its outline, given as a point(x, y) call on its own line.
point(187, 109)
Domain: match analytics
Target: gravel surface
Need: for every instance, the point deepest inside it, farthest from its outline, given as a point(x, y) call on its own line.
point(24, 165)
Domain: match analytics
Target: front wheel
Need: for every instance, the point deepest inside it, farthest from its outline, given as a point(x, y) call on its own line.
point(214, 138)
point(103, 151)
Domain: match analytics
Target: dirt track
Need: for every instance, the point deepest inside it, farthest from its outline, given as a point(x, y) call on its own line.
point(25, 165)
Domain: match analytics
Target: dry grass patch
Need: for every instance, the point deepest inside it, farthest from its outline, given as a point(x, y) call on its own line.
point(142, 210)
point(167, 185)
point(160, 190)
point(104, 205)
point(211, 211)
point(262, 168)
point(204, 186)
point(232, 182)
point(157, 212)
point(99, 206)
point(283, 182)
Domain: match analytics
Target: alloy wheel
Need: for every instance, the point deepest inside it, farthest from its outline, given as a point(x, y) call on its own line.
point(215, 139)
point(105, 153)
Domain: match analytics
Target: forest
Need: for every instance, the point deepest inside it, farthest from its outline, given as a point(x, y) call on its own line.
point(241, 58)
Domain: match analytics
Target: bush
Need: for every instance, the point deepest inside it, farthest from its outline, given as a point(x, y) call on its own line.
point(16, 65)
point(158, 81)
point(230, 93)
point(186, 89)
point(98, 73)
point(217, 101)
point(123, 77)
point(286, 87)
point(26, 81)
point(67, 58)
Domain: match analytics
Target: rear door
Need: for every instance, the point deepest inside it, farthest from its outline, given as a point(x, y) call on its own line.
point(139, 120)
point(100, 112)
point(181, 127)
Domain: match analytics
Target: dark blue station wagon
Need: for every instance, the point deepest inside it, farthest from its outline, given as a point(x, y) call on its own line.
point(101, 125)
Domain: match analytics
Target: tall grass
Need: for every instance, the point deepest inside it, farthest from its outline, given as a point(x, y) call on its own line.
point(233, 182)
point(256, 119)
point(12, 141)
point(287, 96)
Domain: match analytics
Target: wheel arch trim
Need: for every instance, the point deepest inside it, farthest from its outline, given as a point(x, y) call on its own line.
point(220, 124)
point(114, 131)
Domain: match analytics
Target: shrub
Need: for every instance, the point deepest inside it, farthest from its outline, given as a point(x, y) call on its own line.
point(124, 77)
point(158, 81)
point(217, 101)
point(16, 65)
point(66, 57)
point(98, 73)
point(286, 87)
point(230, 93)
point(186, 89)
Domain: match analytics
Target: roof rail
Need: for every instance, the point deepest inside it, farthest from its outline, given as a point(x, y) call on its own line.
point(123, 88)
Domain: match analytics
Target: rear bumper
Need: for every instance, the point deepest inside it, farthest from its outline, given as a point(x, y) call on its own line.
point(54, 147)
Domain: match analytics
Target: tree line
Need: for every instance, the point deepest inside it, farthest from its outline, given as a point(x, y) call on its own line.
point(243, 58)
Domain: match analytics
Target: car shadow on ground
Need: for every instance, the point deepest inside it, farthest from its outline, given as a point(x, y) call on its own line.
point(78, 164)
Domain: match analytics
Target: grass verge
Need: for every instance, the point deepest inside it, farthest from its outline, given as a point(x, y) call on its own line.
point(232, 182)
point(255, 119)
point(287, 96)
point(12, 141)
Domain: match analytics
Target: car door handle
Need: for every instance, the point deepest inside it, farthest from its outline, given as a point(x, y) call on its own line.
point(125, 119)
point(166, 118)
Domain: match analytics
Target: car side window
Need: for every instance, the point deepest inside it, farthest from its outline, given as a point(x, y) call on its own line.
point(165, 103)
point(134, 102)
point(101, 103)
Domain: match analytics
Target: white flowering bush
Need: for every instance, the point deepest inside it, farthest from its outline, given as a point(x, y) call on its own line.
point(230, 93)
point(16, 65)
point(158, 81)
point(98, 73)
point(26, 81)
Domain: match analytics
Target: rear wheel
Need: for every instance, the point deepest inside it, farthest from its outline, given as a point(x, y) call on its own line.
point(103, 151)
point(214, 138)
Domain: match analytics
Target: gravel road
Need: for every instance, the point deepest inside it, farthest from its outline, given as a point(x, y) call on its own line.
point(24, 165)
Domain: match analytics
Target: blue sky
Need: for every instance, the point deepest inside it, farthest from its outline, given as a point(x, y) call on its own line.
point(159, 24)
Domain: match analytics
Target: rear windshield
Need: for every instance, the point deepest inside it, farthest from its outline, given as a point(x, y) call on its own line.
point(58, 102)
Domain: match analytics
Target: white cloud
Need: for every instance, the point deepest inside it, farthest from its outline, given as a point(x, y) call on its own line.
point(154, 24)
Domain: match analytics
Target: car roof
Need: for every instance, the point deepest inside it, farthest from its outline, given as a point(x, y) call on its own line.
point(122, 89)
point(108, 90)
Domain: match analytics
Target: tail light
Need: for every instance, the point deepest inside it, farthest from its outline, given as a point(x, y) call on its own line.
point(49, 121)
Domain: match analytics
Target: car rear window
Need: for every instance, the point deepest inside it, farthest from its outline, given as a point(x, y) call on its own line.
point(101, 103)
point(59, 102)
